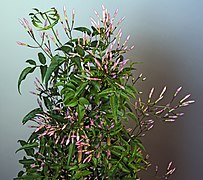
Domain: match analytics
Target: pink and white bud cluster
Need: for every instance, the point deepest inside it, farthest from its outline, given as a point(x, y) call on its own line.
point(27, 26)
point(107, 22)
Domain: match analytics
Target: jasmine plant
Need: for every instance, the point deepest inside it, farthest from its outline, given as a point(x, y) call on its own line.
point(87, 96)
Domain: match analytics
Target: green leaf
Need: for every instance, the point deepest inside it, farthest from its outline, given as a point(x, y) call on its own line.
point(58, 118)
point(80, 89)
point(113, 133)
point(123, 168)
point(23, 75)
point(29, 152)
point(31, 62)
point(107, 92)
point(43, 70)
point(94, 43)
point(31, 115)
point(96, 85)
point(80, 51)
point(86, 173)
point(124, 95)
point(133, 117)
point(83, 101)
point(27, 161)
point(114, 106)
point(72, 103)
point(119, 147)
point(42, 58)
point(77, 61)
point(68, 96)
point(81, 112)
point(28, 146)
point(83, 29)
point(70, 153)
point(132, 88)
point(55, 63)
point(65, 49)
point(113, 169)
point(129, 90)
point(21, 173)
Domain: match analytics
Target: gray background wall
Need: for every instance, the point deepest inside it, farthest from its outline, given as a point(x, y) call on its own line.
point(168, 36)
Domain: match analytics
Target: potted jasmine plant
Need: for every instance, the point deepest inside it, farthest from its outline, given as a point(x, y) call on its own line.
point(87, 96)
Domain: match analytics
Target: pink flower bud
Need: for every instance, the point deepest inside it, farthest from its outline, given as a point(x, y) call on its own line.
point(20, 43)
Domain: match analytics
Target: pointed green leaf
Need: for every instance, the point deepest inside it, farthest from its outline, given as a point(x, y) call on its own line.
point(107, 92)
point(29, 152)
point(80, 51)
point(21, 173)
point(81, 89)
point(114, 106)
point(81, 112)
point(28, 146)
point(83, 101)
point(133, 117)
point(23, 75)
point(43, 70)
point(55, 63)
point(65, 49)
point(83, 29)
point(27, 161)
point(77, 61)
point(70, 153)
point(72, 103)
point(31, 115)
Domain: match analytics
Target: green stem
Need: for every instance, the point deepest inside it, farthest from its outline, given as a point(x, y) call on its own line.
point(53, 30)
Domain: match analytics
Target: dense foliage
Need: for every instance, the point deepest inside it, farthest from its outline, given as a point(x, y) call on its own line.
point(86, 98)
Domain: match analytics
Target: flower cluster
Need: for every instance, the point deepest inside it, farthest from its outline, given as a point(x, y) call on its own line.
point(85, 101)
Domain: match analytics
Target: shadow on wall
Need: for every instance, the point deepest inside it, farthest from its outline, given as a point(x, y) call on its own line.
point(166, 141)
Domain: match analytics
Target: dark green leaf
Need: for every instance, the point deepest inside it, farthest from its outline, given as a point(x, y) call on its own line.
point(83, 29)
point(43, 70)
point(107, 92)
point(42, 58)
point(81, 89)
point(114, 106)
point(81, 112)
point(28, 146)
point(31, 115)
point(113, 133)
point(123, 168)
point(20, 173)
point(29, 152)
point(70, 153)
point(27, 161)
point(31, 62)
point(80, 51)
point(23, 75)
point(83, 101)
point(77, 61)
point(133, 117)
point(66, 49)
point(55, 63)
point(94, 43)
